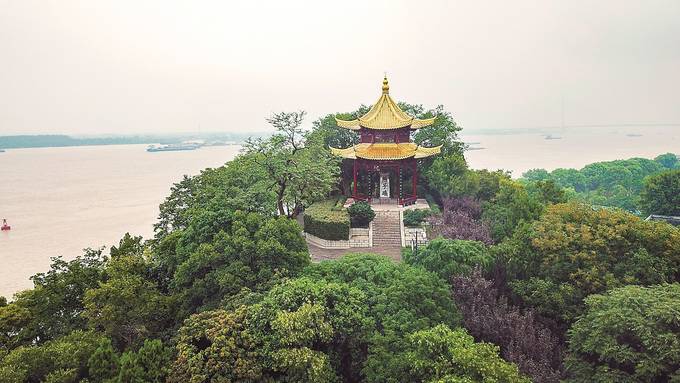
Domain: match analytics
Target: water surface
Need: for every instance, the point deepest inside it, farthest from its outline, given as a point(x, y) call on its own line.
point(62, 200)
point(575, 148)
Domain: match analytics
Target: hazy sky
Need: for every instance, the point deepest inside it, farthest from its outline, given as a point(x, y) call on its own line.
point(91, 67)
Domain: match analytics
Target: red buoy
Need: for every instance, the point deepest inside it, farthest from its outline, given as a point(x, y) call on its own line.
point(5, 226)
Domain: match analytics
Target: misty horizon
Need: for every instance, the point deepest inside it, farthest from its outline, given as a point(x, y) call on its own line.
point(129, 68)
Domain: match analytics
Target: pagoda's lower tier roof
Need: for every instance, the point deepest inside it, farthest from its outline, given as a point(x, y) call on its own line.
point(386, 151)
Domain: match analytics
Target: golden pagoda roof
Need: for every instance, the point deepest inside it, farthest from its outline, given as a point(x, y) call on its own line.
point(385, 114)
point(386, 151)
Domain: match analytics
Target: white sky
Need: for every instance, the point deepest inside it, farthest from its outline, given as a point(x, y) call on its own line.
point(92, 67)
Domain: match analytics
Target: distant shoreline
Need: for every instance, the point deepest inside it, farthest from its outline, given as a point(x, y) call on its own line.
point(60, 141)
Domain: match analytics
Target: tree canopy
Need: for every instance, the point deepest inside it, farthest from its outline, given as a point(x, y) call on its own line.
point(226, 290)
point(611, 183)
point(629, 334)
point(574, 250)
point(661, 193)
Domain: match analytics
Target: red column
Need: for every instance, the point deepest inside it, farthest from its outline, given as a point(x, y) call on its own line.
point(398, 177)
point(354, 194)
point(415, 178)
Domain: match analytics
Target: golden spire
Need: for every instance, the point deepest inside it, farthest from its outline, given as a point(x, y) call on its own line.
point(385, 114)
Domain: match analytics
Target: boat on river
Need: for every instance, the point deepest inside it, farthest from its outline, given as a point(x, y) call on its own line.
point(5, 226)
point(551, 137)
point(174, 147)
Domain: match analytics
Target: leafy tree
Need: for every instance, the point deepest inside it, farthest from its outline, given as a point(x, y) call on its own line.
point(661, 193)
point(238, 185)
point(570, 178)
point(303, 331)
point(612, 183)
point(326, 133)
point(444, 130)
point(129, 370)
point(536, 175)
point(460, 219)
point(63, 358)
point(401, 299)
point(509, 208)
point(440, 354)
point(547, 192)
point(346, 320)
point(128, 245)
point(668, 160)
point(245, 251)
point(154, 360)
point(16, 326)
point(300, 173)
point(326, 129)
point(489, 183)
point(128, 306)
point(450, 257)
point(53, 307)
point(448, 175)
point(629, 334)
point(103, 363)
point(174, 210)
point(522, 338)
point(214, 346)
point(574, 251)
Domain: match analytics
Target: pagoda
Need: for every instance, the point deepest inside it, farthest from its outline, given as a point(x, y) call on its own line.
point(385, 162)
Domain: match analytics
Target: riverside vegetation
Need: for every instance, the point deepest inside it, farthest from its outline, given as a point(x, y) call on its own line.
point(547, 278)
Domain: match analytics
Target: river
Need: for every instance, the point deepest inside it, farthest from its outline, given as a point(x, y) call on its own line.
point(62, 200)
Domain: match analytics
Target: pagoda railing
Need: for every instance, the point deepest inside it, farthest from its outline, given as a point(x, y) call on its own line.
point(408, 200)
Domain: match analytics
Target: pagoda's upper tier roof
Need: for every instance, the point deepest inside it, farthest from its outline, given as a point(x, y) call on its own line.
point(386, 151)
point(385, 114)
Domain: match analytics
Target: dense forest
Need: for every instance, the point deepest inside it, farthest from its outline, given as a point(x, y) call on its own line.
point(542, 279)
point(612, 183)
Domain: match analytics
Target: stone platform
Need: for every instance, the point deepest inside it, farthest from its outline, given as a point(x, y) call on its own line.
point(388, 234)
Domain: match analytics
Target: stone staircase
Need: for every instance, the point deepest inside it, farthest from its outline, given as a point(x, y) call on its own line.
point(386, 229)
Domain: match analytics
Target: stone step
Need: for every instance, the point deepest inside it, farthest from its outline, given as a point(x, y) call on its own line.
point(387, 229)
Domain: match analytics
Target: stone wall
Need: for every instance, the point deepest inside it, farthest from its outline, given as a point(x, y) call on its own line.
point(410, 235)
point(358, 237)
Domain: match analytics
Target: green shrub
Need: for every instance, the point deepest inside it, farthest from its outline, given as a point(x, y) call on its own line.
point(629, 334)
point(324, 221)
point(340, 203)
point(361, 214)
point(434, 207)
point(450, 257)
point(415, 217)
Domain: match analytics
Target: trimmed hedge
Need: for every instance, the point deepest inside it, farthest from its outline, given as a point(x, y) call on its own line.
point(360, 214)
point(415, 217)
point(324, 220)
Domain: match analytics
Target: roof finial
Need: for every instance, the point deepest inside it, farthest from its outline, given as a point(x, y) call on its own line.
point(386, 86)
